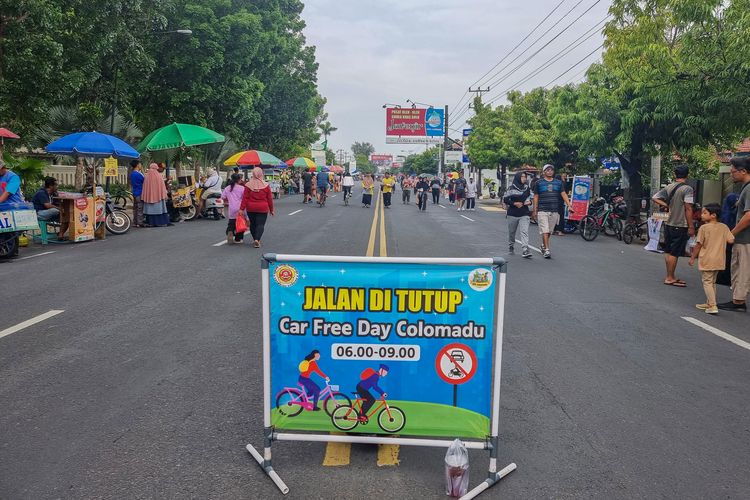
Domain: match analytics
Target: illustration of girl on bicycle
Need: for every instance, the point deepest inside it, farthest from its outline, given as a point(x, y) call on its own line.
point(307, 367)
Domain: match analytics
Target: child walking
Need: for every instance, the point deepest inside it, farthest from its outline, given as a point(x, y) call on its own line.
point(710, 250)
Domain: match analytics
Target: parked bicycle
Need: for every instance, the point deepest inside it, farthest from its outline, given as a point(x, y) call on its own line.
point(121, 198)
point(290, 401)
point(603, 219)
point(635, 229)
point(390, 418)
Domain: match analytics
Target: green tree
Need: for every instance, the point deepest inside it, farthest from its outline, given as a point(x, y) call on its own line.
point(425, 162)
point(363, 148)
point(326, 129)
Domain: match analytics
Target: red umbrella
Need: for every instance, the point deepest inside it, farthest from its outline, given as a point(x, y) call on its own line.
point(6, 134)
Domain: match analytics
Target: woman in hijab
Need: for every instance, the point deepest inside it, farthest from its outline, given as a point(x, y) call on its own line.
point(154, 197)
point(257, 203)
point(518, 200)
point(368, 186)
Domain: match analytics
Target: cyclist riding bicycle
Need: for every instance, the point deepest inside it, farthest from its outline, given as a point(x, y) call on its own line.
point(369, 380)
point(322, 184)
point(347, 184)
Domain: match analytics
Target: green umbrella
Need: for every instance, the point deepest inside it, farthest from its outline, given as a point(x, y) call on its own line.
point(178, 135)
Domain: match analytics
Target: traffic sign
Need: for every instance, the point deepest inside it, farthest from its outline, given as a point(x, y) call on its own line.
point(456, 364)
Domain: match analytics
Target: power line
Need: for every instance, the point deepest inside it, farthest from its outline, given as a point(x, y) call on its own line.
point(574, 66)
point(459, 114)
point(490, 82)
point(511, 51)
point(549, 62)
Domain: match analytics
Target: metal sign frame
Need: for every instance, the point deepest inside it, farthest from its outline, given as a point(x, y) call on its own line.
point(499, 267)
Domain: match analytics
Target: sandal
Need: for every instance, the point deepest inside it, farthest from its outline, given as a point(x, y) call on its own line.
point(677, 283)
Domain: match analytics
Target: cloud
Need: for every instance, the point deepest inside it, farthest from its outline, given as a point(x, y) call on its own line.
point(387, 51)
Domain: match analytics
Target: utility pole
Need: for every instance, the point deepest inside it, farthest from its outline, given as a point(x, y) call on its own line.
point(441, 159)
point(479, 91)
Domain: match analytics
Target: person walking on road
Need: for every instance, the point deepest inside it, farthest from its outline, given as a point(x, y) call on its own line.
point(740, 268)
point(407, 184)
point(422, 188)
point(368, 187)
point(257, 203)
point(435, 185)
point(471, 194)
point(136, 184)
point(677, 199)
point(518, 200)
point(460, 188)
point(388, 183)
point(232, 196)
point(710, 249)
point(307, 179)
point(548, 195)
point(154, 196)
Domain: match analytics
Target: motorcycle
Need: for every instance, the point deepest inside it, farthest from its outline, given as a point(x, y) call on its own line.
point(213, 205)
point(116, 220)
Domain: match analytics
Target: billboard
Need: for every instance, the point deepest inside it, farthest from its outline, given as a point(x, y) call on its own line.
point(581, 197)
point(414, 125)
point(407, 347)
point(380, 160)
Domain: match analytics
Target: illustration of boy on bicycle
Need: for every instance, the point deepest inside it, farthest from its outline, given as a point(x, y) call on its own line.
point(369, 379)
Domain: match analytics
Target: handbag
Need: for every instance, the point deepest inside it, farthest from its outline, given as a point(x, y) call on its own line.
point(240, 225)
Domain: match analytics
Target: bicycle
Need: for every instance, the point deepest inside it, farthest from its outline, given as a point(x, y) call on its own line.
point(390, 418)
point(120, 199)
point(290, 401)
point(322, 198)
point(347, 195)
point(604, 219)
point(635, 229)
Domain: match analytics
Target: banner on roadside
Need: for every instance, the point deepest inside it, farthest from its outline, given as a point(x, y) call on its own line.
point(581, 197)
point(349, 332)
point(110, 167)
point(403, 351)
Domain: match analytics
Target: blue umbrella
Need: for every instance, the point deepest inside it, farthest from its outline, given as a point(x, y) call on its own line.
point(92, 144)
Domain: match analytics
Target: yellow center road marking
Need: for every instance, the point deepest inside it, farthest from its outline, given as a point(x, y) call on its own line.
point(337, 454)
point(388, 455)
point(373, 230)
point(492, 209)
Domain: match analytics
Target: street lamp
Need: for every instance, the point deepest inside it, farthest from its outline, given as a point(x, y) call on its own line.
point(414, 104)
point(389, 104)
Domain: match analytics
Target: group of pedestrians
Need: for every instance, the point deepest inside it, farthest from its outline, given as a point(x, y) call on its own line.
point(249, 203)
point(721, 226)
point(545, 202)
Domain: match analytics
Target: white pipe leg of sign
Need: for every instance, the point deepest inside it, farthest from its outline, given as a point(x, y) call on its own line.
point(268, 470)
point(266, 346)
point(499, 325)
point(433, 443)
point(489, 483)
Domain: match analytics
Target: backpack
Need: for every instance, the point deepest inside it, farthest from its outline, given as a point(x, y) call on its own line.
point(367, 373)
point(303, 366)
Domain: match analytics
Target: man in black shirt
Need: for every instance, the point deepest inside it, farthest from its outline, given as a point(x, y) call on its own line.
point(42, 201)
point(307, 187)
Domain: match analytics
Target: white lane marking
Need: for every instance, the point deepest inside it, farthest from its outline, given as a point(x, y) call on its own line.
point(467, 218)
point(29, 322)
point(532, 247)
point(37, 255)
point(717, 332)
point(224, 241)
point(441, 206)
point(296, 212)
point(332, 196)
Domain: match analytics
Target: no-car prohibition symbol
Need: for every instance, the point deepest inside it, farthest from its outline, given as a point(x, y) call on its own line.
point(456, 364)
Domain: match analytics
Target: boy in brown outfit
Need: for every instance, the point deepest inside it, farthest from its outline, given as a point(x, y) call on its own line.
point(710, 250)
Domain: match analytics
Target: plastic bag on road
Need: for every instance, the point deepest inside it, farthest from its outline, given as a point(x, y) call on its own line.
point(456, 470)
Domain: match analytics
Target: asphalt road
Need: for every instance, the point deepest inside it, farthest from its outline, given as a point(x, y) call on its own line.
point(148, 385)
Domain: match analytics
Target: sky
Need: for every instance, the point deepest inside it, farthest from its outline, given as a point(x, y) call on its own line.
point(387, 51)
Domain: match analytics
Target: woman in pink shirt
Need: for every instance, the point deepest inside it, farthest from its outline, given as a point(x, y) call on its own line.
point(232, 196)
